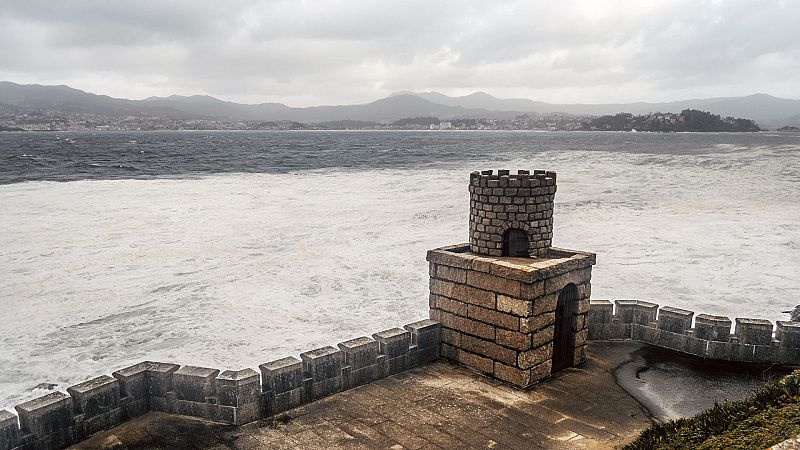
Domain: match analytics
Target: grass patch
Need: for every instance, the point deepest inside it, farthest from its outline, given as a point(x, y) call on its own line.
point(769, 416)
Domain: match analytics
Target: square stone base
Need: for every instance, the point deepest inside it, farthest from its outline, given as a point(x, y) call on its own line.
point(498, 313)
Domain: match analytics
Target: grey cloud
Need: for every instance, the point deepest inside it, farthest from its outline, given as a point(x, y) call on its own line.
point(343, 51)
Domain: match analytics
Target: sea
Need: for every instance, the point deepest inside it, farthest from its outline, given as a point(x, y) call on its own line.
point(231, 249)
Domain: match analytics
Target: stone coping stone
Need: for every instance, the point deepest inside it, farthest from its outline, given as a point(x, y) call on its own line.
point(197, 372)
point(676, 311)
point(748, 321)
point(103, 381)
point(711, 319)
point(7, 418)
point(279, 364)
point(318, 353)
point(52, 400)
point(358, 343)
point(422, 326)
point(238, 375)
point(527, 270)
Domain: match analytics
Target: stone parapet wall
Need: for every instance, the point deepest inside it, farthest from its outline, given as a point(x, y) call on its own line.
point(499, 318)
point(706, 336)
point(58, 420)
point(499, 201)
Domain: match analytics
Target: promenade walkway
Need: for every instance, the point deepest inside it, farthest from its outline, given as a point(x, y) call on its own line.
point(436, 406)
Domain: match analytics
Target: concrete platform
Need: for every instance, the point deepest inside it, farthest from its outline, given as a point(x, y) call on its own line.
point(436, 406)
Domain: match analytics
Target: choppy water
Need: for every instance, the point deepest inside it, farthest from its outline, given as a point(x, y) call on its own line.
point(231, 249)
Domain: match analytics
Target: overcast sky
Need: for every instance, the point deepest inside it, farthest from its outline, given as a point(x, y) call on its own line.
point(337, 52)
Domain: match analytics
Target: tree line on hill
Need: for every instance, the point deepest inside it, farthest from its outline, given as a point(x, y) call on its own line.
point(686, 120)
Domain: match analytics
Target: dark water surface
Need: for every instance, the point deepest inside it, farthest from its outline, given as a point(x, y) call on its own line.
point(55, 156)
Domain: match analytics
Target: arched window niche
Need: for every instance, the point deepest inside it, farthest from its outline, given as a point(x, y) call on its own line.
point(516, 243)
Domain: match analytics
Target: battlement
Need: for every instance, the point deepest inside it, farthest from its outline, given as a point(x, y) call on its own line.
point(507, 179)
point(511, 214)
point(752, 340)
point(58, 420)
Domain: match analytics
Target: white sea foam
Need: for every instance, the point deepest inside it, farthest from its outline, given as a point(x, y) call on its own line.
point(231, 271)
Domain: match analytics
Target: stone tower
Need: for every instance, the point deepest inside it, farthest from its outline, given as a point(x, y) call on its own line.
point(511, 215)
point(511, 306)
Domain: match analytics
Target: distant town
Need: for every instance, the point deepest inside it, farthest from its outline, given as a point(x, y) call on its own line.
point(687, 120)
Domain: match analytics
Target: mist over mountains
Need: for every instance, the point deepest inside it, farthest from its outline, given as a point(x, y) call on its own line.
point(766, 110)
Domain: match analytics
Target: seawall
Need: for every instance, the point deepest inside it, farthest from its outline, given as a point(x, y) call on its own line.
point(59, 419)
point(703, 335)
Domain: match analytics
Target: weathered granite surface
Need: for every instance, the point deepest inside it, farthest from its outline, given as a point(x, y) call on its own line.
point(752, 340)
point(438, 405)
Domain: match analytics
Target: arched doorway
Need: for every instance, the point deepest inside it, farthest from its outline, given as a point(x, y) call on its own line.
point(563, 335)
point(515, 243)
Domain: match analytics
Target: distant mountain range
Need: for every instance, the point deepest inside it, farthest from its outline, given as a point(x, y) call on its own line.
point(765, 109)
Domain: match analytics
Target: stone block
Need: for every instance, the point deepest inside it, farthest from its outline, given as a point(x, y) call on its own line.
point(326, 387)
point(531, 358)
point(452, 256)
point(517, 377)
point(463, 293)
point(545, 304)
point(159, 378)
point(132, 408)
point(579, 338)
point(246, 413)
point(721, 350)
point(673, 341)
point(493, 283)
point(712, 328)
point(421, 356)
point(493, 317)
point(195, 384)
point(538, 322)
point(285, 401)
point(754, 331)
point(543, 336)
point(96, 396)
point(425, 333)
point(579, 356)
point(515, 306)
point(555, 284)
point(742, 352)
point(396, 365)
point(475, 362)
point(46, 415)
point(489, 349)
point(579, 323)
point(636, 311)
point(322, 364)
point(530, 291)
point(674, 320)
point(542, 371)
point(9, 430)
point(697, 347)
point(453, 274)
point(393, 342)
point(789, 355)
point(600, 312)
point(788, 333)
point(764, 354)
point(238, 387)
point(353, 378)
point(133, 381)
point(464, 325)
point(513, 339)
point(448, 304)
point(360, 352)
point(282, 375)
point(99, 422)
